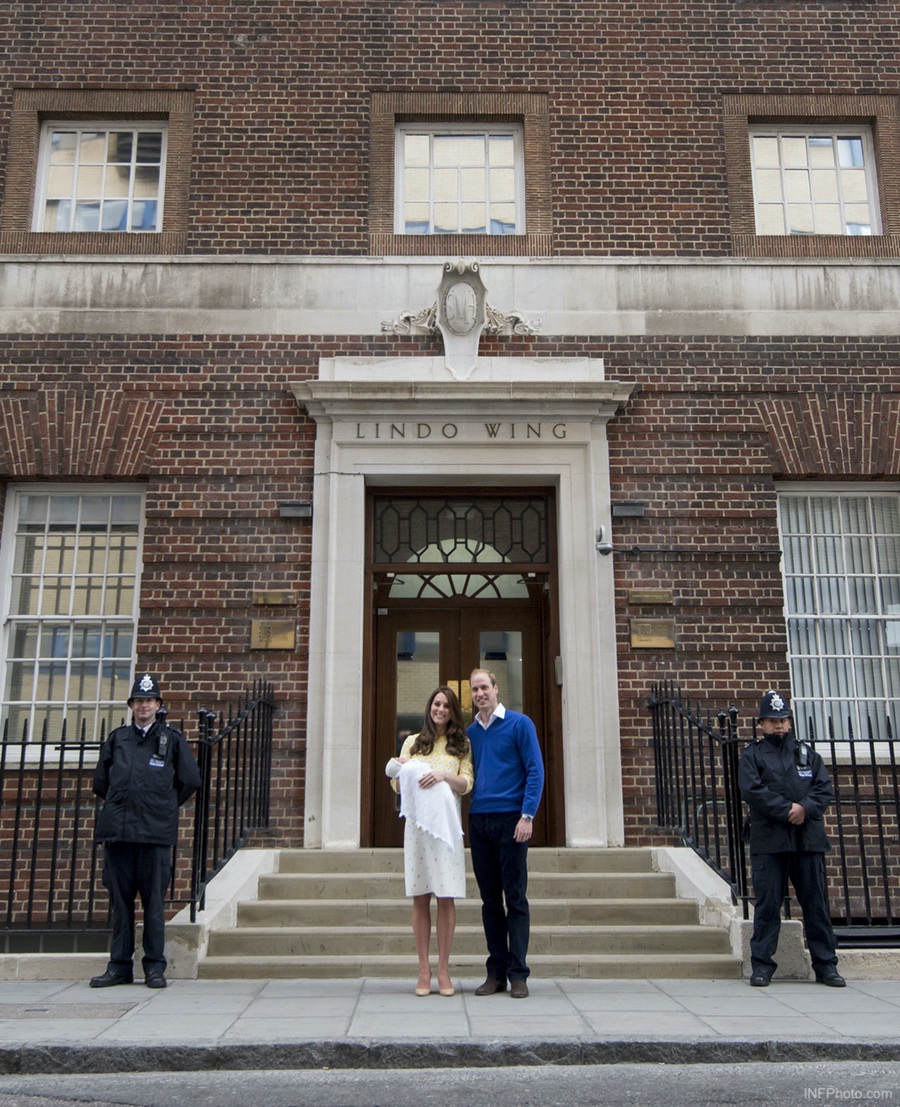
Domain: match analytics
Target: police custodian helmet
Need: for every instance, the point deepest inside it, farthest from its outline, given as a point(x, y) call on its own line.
point(145, 688)
point(774, 706)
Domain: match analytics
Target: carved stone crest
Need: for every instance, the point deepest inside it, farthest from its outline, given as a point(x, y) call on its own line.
point(460, 314)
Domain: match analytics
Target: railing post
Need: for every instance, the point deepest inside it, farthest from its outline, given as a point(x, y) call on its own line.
point(734, 811)
point(201, 813)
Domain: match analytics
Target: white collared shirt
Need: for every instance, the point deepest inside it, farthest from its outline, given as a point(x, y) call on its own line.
point(499, 712)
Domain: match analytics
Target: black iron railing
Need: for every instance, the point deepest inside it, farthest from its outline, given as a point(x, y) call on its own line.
point(235, 758)
point(50, 866)
point(696, 757)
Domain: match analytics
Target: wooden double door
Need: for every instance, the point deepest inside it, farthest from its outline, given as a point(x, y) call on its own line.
point(419, 645)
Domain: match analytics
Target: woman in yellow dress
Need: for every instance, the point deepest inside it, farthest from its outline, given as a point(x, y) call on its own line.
point(434, 866)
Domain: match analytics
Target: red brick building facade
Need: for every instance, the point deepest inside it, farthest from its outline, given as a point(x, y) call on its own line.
point(198, 329)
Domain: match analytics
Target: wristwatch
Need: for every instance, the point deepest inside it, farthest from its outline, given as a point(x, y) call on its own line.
point(528, 818)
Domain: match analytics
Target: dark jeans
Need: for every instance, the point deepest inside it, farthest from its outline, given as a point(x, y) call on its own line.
point(131, 869)
point(501, 869)
point(806, 872)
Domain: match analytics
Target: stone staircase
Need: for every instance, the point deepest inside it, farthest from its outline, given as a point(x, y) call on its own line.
point(594, 913)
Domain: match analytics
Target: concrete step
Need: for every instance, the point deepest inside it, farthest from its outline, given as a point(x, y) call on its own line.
point(541, 885)
point(396, 912)
point(469, 940)
point(595, 966)
point(621, 860)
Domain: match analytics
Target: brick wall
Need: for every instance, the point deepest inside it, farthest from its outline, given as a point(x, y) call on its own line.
point(281, 102)
point(282, 99)
point(228, 443)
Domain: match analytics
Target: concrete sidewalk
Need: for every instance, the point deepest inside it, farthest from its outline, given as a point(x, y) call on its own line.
point(48, 1027)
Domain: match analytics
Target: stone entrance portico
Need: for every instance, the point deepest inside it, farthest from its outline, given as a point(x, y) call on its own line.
point(512, 422)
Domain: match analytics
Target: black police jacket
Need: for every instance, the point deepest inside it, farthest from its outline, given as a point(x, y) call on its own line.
point(143, 779)
point(771, 778)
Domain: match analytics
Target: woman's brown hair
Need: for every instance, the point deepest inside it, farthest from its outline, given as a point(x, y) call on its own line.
point(457, 740)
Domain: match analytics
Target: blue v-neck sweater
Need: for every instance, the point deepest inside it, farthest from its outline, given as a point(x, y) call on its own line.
point(509, 770)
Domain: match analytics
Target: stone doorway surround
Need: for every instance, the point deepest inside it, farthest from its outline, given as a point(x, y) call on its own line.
point(511, 422)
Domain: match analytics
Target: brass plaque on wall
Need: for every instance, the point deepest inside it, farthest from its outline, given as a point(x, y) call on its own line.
point(653, 634)
point(651, 595)
point(273, 599)
point(273, 634)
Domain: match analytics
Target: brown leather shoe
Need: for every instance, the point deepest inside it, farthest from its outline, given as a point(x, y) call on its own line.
point(518, 989)
point(491, 986)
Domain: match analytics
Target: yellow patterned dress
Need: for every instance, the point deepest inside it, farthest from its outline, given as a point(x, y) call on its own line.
point(431, 865)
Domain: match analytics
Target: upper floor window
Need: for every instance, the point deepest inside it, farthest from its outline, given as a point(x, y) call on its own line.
point(814, 181)
point(812, 176)
point(461, 173)
point(71, 562)
point(97, 171)
point(96, 176)
point(459, 179)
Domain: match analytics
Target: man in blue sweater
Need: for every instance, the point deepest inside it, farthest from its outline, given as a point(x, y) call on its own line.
point(509, 779)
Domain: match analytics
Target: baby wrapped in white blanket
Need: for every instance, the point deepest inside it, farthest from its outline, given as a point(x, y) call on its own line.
point(434, 810)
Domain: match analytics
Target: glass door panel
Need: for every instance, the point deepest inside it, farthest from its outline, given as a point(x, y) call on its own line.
point(418, 674)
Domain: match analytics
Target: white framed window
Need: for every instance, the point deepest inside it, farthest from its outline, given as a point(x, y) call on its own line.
point(811, 181)
point(101, 176)
point(841, 552)
point(459, 179)
point(70, 562)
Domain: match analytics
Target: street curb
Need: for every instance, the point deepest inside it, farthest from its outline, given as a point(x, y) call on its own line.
point(362, 1053)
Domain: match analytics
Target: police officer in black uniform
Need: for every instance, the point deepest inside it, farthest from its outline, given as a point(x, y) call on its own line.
point(145, 772)
point(786, 786)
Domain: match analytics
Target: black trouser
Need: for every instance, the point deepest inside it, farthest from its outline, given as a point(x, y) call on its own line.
point(770, 880)
point(501, 869)
point(131, 869)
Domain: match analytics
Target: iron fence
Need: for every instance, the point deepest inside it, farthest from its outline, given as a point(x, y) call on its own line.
point(235, 759)
point(49, 861)
point(696, 756)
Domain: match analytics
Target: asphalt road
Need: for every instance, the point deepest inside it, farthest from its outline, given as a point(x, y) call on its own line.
point(747, 1085)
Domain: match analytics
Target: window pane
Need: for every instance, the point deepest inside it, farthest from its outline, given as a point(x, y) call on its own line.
point(473, 218)
point(417, 183)
point(472, 183)
point(765, 152)
point(850, 151)
point(116, 182)
point(60, 182)
point(794, 152)
point(87, 217)
point(824, 187)
point(502, 150)
point(146, 184)
point(769, 185)
point(771, 220)
point(89, 185)
point(800, 218)
point(63, 147)
point(446, 185)
point(862, 595)
point(416, 150)
point(115, 215)
point(796, 186)
point(821, 152)
point(445, 219)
